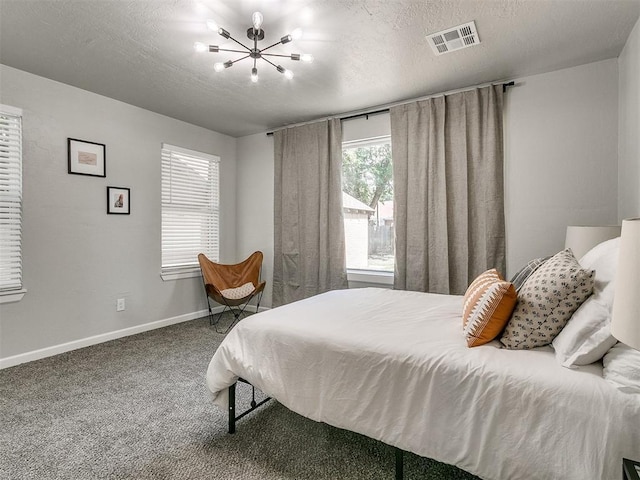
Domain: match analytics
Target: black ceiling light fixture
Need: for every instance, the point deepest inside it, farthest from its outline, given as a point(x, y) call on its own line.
point(255, 33)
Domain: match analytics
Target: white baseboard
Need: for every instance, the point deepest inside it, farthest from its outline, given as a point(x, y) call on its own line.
point(105, 337)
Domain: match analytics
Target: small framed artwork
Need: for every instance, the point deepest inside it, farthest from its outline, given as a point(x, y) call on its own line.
point(87, 158)
point(119, 200)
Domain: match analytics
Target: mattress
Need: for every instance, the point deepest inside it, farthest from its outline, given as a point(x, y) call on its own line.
point(394, 365)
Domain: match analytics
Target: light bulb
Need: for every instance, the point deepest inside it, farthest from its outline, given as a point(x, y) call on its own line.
point(199, 47)
point(296, 34)
point(285, 39)
point(257, 19)
point(212, 25)
point(284, 71)
point(254, 75)
point(218, 67)
point(306, 57)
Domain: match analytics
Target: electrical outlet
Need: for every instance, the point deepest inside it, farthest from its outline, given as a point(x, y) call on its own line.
point(120, 305)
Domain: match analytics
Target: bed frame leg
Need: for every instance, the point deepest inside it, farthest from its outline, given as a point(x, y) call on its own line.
point(232, 408)
point(233, 418)
point(399, 464)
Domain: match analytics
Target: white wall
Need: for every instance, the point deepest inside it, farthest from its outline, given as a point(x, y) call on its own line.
point(561, 157)
point(369, 126)
point(629, 127)
point(77, 259)
point(254, 200)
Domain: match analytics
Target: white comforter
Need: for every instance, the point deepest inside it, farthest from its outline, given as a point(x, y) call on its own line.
point(393, 365)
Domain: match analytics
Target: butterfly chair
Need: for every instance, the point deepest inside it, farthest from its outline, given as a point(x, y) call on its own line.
point(232, 286)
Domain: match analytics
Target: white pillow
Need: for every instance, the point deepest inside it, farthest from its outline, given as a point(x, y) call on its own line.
point(603, 258)
point(622, 368)
point(587, 335)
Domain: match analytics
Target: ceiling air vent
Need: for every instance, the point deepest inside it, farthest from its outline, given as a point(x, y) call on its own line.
point(455, 38)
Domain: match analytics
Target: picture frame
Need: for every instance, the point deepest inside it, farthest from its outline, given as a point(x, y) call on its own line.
point(118, 200)
point(86, 158)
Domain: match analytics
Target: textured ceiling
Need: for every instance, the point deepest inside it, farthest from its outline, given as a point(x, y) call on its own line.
point(367, 52)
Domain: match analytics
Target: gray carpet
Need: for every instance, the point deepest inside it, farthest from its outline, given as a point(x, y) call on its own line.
point(138, 408)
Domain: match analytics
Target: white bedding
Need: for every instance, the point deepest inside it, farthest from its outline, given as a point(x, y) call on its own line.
point(393, 365)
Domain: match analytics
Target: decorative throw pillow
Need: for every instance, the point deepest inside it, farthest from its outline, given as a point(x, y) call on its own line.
point(587, 335)
point(488, 304)
point(546, 301)
point(239, 292)
point(526, 271)
point(622, 368)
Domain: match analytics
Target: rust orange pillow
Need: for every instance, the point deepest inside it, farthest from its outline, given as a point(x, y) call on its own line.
point(488, 304)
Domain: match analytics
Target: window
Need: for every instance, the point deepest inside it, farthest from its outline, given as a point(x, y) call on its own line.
point(10, 204)
point(190, 210)
point(367, 185)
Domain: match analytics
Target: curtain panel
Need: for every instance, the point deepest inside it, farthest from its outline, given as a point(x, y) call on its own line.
point(448, 190)
point(309, 244)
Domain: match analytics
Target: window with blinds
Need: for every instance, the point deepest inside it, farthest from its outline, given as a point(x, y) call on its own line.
point(10, 200)
point(190, 208)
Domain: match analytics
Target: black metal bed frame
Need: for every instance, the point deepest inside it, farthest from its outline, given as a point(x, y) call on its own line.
point(233, 418)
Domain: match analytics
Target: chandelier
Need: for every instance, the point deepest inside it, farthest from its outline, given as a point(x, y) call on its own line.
point(254, 33)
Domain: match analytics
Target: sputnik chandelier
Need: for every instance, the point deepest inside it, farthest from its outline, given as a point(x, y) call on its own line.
point(255, 33)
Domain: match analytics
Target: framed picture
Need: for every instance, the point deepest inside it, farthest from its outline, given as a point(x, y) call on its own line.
point(87, 158)
point(119, 200)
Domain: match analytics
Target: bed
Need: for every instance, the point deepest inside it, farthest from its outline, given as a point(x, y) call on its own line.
point(393, 365)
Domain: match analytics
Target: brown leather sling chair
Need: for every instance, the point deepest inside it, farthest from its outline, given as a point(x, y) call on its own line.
point(232, 286)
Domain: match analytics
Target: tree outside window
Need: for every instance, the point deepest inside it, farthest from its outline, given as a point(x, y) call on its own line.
point(367, 172)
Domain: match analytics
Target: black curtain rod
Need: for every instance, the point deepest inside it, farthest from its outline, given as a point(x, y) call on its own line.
point(385, 110)
point(358, 115)
point(508, 84)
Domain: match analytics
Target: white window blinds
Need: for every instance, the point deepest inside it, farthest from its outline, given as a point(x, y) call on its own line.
point(190, 208)
point(10, 199)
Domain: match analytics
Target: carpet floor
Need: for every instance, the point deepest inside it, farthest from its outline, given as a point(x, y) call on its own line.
point(138, 408)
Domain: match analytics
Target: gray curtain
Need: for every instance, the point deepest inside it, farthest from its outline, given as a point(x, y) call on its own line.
point(448, 190)
point(309, 245)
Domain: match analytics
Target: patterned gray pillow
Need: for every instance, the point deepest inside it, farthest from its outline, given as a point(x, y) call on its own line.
point(546, 302)
point(526, 271)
